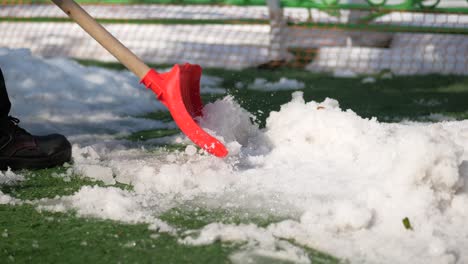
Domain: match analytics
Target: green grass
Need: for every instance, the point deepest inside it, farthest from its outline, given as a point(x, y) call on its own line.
point(43, 237)
point(29, 236)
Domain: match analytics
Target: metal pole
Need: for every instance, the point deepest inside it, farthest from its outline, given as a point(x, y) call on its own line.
point(278, 48)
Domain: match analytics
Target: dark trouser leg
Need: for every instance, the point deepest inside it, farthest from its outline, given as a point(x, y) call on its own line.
point(5, 104)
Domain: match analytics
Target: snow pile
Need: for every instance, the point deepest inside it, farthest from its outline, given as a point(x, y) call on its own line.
point(343, 184)
point(235, 131)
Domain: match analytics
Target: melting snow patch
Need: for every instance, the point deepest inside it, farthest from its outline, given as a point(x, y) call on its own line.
point(283, 84)
point(368, 80)
point(7, 199)
point(211, 85)
point(107, 203)
point(259, 243)
point(344, 73)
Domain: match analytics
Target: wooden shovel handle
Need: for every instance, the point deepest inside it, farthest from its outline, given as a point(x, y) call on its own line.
point(101, 35)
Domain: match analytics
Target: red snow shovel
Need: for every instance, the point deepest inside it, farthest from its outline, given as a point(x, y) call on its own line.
point(178, 89)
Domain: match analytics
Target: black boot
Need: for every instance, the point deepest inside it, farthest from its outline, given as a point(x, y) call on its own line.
point(21, 150)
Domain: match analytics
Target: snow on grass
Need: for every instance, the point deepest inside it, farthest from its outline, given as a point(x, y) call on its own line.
point(108, 203)
point(264, 85)
point(62, 95)
point(7, 199)
point(59, 94)
point(9, 178)
point(211, 85)
point(343, 184)
point(261, 243)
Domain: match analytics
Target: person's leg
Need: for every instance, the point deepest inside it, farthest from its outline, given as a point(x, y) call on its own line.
point(5, 104)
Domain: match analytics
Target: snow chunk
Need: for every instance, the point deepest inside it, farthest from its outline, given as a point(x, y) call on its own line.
point(96, 172)
point(190, 150)
point(8, 177)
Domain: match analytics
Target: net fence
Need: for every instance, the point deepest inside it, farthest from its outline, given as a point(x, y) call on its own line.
point(404, 37)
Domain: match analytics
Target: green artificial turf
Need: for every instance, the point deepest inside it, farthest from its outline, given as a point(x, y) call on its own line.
point(32, 237)
point(27, 235)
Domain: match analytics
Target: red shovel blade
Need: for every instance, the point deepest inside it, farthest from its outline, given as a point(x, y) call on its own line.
point(179, 91)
